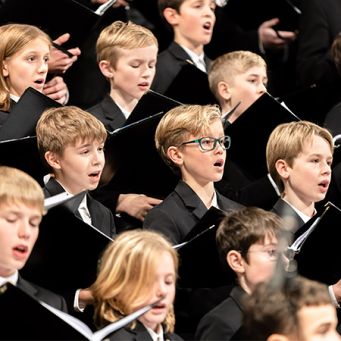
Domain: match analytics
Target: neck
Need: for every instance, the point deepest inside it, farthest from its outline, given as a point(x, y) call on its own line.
point(128, 103)
point(307, 208)
point(204, 192)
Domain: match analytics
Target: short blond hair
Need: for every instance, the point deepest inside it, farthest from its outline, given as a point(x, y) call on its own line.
point(127, 271)
point(180, 122)
point(15, 37)
point(121, 35)
point(286, 142)
point(18, 187)
point(59, 127)
point(227, 66)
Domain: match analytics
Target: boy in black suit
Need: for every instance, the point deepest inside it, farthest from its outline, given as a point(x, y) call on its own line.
point(247, 241)
point(21, 211)
point(191, 140)
point(72, 143)
point(126, 55)
point(192, 24)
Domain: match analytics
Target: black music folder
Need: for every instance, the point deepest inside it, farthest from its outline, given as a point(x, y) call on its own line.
point(318, 253)
point(190, 86)
point(138, 165)
point(150, 104)
point(23, 154)
point(250, 133)
point(25, 318)
point(200, 264)
point(25, 114)
point(67, 250)
point(54, 17)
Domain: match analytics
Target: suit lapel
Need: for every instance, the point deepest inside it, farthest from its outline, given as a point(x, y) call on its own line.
point(191, 200)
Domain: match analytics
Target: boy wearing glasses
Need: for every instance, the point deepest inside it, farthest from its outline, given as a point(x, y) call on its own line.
point(247, 240)
point(191, 140)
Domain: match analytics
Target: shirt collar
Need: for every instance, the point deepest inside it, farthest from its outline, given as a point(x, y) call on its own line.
point(13, 279)
point(14, 98)
point(199, 60)
point(156, 336)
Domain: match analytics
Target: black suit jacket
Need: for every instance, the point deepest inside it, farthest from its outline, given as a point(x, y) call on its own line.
point(42, 294)
point(169, 64)
point(108, 113)
point(222, 322)
point(285, 211)
point(101, 217)
point(181, 211)
point(139, 333)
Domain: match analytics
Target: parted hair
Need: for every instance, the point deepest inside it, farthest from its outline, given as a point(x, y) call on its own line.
point(230, 64)
point(242, 228)
point(287, 141)
point(18, 187)
point(126, 274)
point(62, 126)
point(122, 35)
point(15, 37)
point(180, 122)
point(270, 310)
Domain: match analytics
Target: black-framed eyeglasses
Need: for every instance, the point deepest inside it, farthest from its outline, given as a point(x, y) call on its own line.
point(210, 143)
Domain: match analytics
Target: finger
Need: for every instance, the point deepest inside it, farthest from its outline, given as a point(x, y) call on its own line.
point(62, 39)
point(270, 23)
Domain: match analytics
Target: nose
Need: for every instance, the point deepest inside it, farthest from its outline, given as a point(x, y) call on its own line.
point(24, 230)
point(262, 88)
point(43, 67)
point(326, 168)
point(148, 72)
point(97, 157)
point(161, 290)
point(208, 10)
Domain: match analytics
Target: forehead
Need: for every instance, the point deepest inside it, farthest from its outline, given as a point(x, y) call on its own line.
point(316, 144)
point(312, 317)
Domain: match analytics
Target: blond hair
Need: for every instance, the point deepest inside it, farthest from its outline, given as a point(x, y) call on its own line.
point(15, 37)
point(18, 187)
point(63, 126)
point(121, 35)
point(227, 66)
point(126, 274)
point(180, 122)
point(286, 142)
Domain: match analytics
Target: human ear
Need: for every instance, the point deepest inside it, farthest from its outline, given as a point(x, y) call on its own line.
point(5, 72)
point(224, 91)
point(282, 169)
point(175, 155)
point(171, 15)
point(52, 159)
point(106, 68)
point(235, 261)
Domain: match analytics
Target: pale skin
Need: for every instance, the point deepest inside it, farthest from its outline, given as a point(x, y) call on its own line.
point(245, 87)
point(260, 264)
point(129, 79)
point(200, 169)
point(270, 39)
point(163, 288)
point(193, 24)
point(307, 179)
point(316, 323)
point(19, 229)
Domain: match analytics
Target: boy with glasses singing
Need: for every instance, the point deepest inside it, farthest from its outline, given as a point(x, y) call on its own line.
point(191, 140)
point(247, 241)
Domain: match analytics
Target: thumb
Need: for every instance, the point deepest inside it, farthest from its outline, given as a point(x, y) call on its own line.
point(62, 39)
point(270, 23)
